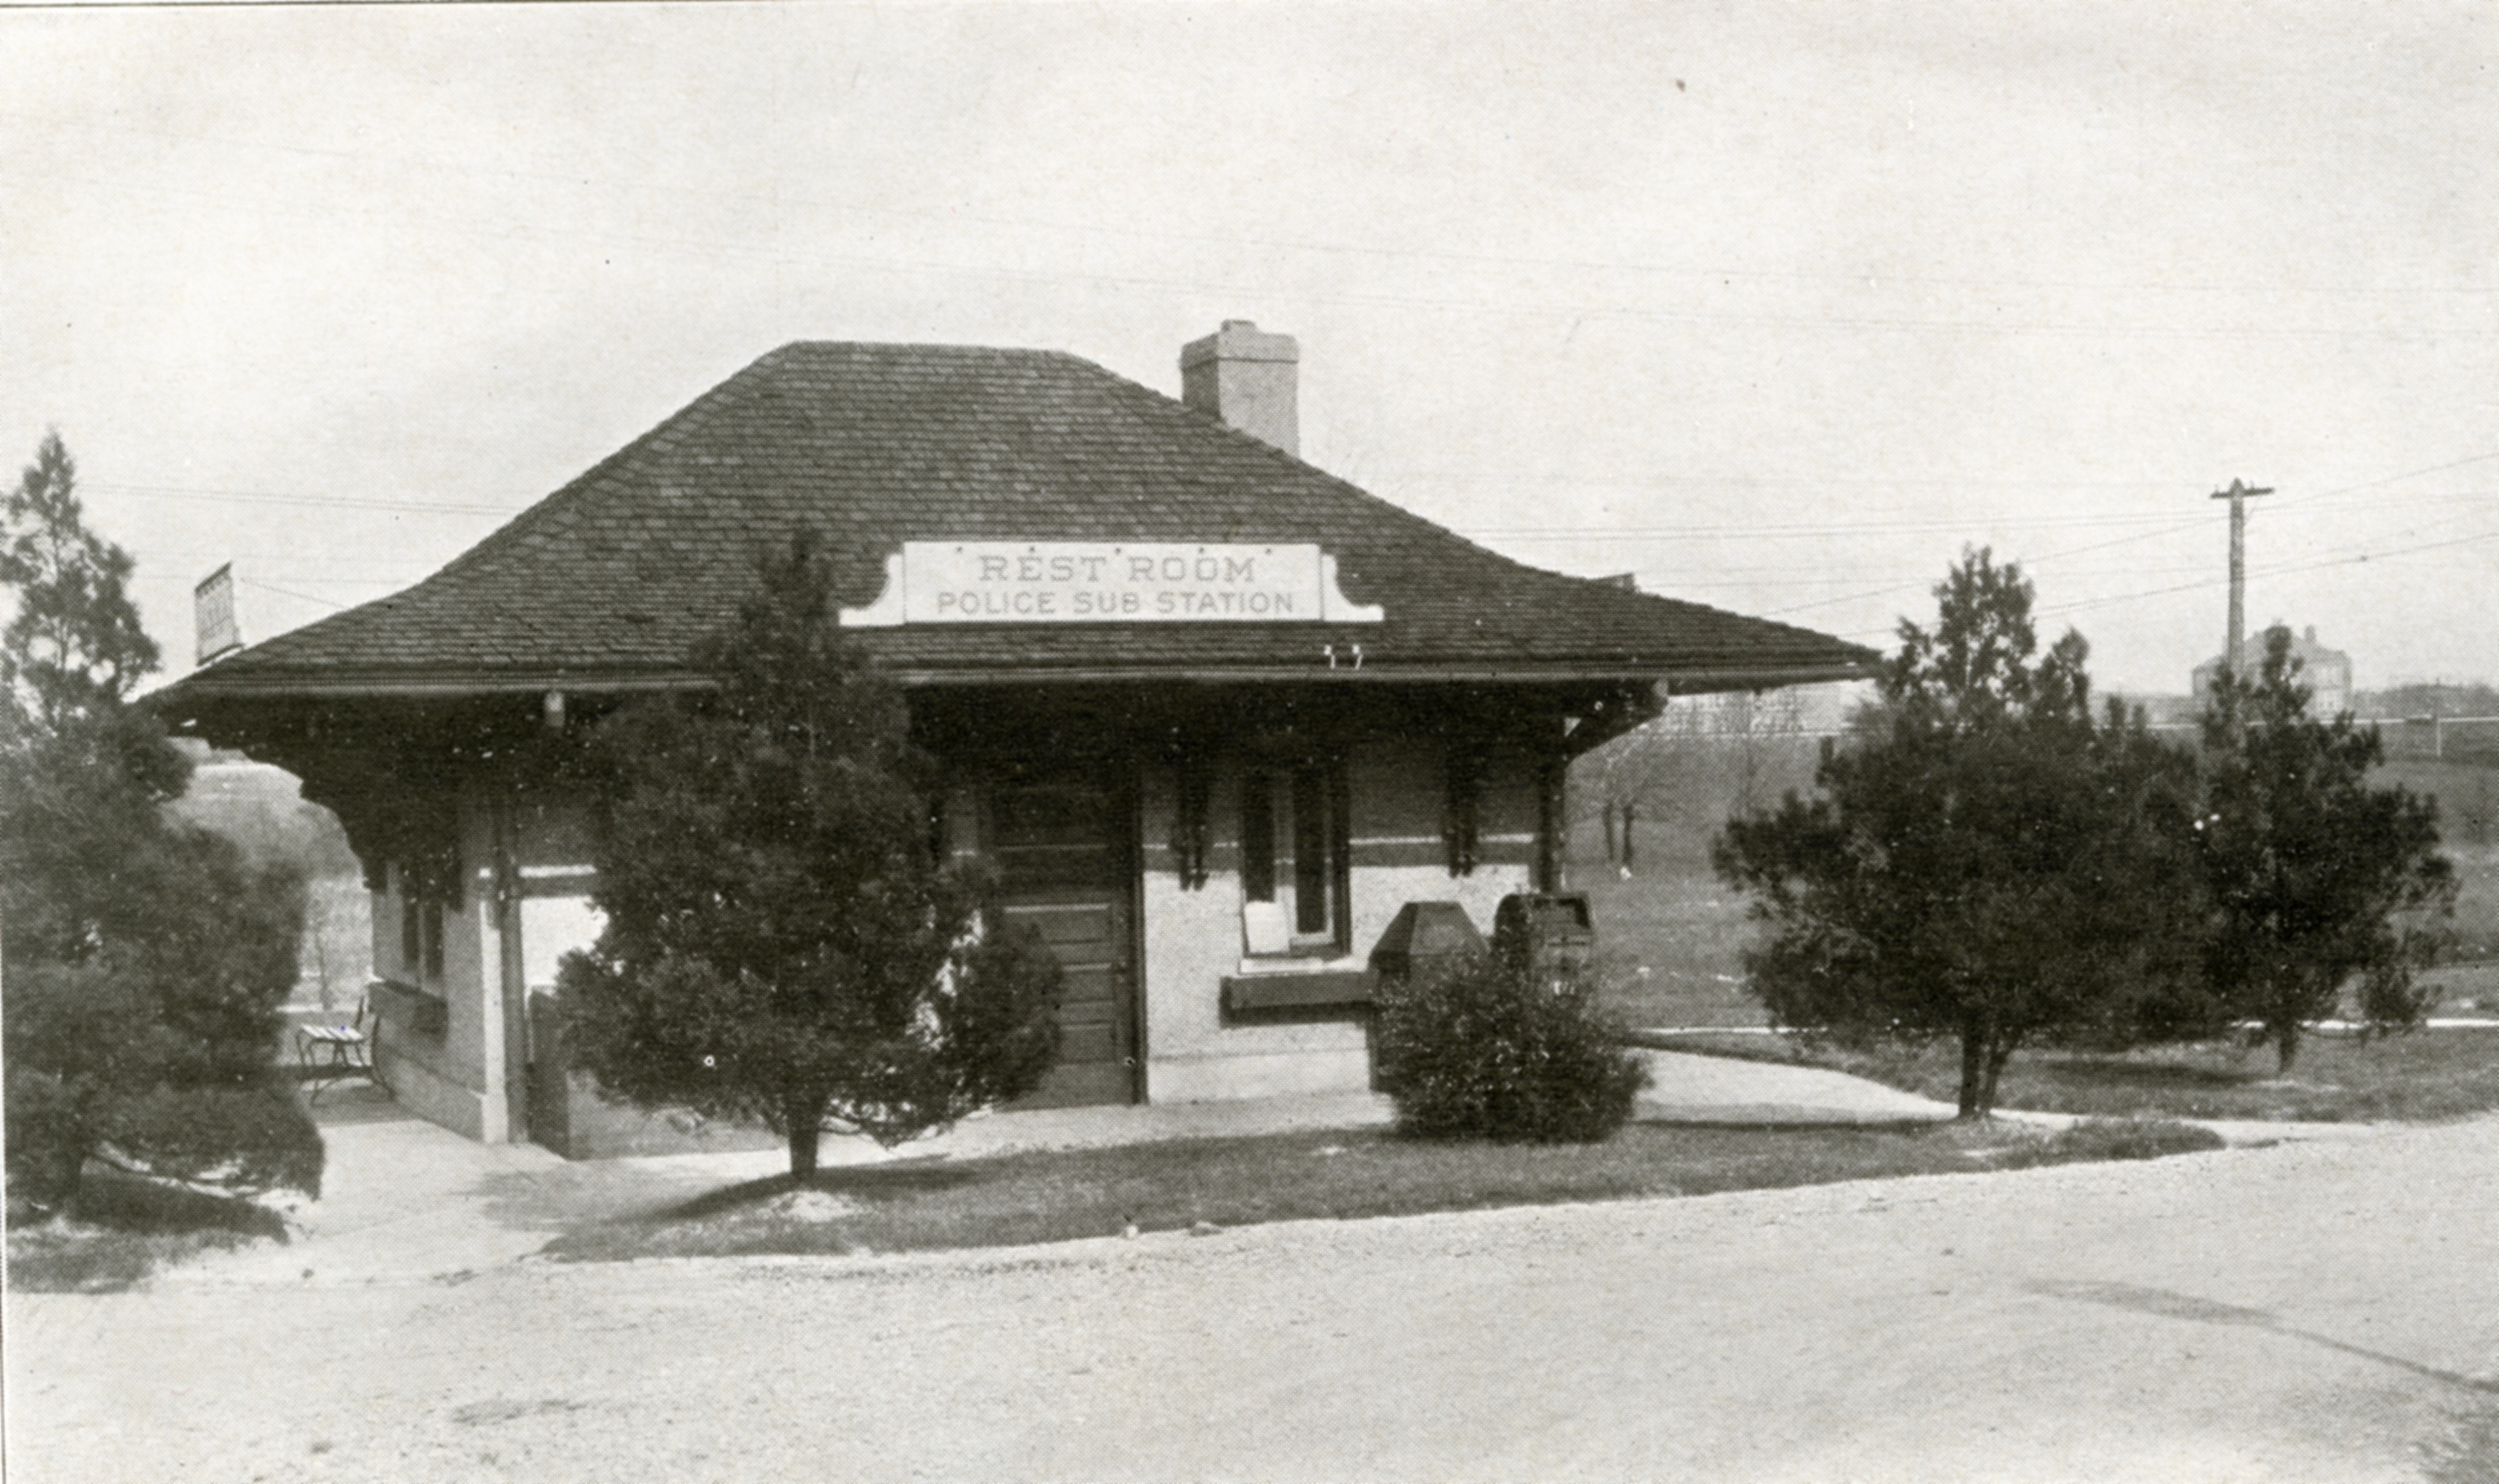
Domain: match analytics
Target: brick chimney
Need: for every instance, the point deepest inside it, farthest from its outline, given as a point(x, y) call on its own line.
point(1246, 377)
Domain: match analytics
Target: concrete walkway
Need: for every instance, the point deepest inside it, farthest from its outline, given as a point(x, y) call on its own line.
point(1692, 1088)
point(406, 1201)
point(1685, 1088)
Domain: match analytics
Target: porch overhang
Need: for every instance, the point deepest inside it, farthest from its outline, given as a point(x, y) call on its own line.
point(194, 691)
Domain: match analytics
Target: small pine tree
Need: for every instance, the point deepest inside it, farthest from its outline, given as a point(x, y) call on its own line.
point(2318, 880)
point(1984, 863)
point(783, 943)
point(144, 959)
point(74, 647)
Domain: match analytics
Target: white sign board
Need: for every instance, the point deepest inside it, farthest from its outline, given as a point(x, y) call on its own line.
point(1099, 582)
point(216, 626)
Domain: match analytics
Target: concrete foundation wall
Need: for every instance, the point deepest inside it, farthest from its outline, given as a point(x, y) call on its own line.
point(410, 1063)
point(568, 1115)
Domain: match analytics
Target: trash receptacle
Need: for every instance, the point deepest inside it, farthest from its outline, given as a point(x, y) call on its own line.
point(1553, 929)
point(1423, 935)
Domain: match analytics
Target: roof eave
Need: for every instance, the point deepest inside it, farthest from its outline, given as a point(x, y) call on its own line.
point(1707, 682)
point(207, 687)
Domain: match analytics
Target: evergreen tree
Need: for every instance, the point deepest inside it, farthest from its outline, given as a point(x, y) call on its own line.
point(145, 958)
point(2318, 880)
point(1984, 862)
point(74, 647)
point(784, 942)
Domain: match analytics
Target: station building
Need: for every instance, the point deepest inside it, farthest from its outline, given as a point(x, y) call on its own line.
point(1216, 715)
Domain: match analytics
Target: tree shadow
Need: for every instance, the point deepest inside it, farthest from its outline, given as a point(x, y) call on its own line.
point(866, 1182)
point(2195, 1311)
point(126, 1203)
point(2151, 1076)
point(352, 1103)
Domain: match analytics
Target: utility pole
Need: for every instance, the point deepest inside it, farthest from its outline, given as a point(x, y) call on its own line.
point(2238, 495)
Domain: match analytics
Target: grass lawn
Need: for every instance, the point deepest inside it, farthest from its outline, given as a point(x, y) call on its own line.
point(123, 1229)
point(1670, 947)
point(1060, 1195)
point(1670, 941)
point(1671, 938)
point(2428, 1074)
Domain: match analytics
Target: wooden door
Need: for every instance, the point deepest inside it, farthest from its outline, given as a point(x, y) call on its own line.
point(1063, 845)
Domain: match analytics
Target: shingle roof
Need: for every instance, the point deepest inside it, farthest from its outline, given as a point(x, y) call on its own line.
point(620, 573)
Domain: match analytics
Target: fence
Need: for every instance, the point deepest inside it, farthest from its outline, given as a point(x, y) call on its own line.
point(2462, 738)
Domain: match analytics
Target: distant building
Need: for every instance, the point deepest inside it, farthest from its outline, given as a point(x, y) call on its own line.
point(2327, 673)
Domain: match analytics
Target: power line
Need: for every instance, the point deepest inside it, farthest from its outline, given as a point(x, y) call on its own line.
point(2183, 526)
point(717, 248)
point(2087, 605)
point(782, 202)
point(267, 586)
point(2371, 484)
point(1505, 532)
point(1476, 474)
point(1905, 586)
point(1806, 530)
point(313, 501)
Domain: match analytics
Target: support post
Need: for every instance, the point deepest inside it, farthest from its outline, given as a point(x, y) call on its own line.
point(2238, 495)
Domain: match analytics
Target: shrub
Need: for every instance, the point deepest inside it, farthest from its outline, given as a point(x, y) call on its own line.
point(1487, 1047)
point(155, 1055)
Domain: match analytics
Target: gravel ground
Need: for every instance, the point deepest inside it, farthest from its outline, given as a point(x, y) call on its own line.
point(2318, 1310)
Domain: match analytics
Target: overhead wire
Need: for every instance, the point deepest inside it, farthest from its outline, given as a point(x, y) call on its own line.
point(784, 201)
point(271, 587)
point(716, 249)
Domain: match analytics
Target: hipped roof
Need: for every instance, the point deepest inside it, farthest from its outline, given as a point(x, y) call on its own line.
point(611, 580)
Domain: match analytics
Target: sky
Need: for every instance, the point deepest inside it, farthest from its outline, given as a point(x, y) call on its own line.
point(1777, 306)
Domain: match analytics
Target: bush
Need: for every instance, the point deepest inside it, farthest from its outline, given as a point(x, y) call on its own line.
point(155, 1055)
point(1489, 1049)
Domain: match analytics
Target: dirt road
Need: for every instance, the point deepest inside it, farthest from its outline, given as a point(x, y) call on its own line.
point(2316, 1311)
